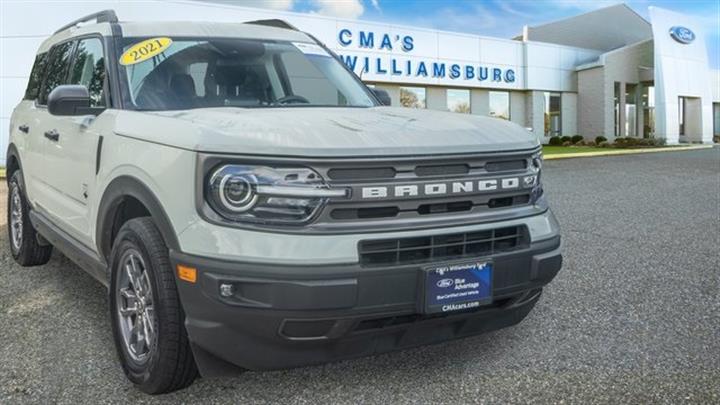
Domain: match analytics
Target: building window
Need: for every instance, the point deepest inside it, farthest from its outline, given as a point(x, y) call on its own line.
point(553, 114)
point(412, 97)
point(616, 109)
point(648, 101)
point(500, 104)
point(716, 119)
point(631, 109)
point(458, 101)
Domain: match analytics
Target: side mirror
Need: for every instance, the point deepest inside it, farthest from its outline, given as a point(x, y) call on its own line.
point(69, 99)
point(382, 96)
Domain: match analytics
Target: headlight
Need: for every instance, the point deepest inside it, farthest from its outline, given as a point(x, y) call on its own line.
point(267, 195)
point(536, 162)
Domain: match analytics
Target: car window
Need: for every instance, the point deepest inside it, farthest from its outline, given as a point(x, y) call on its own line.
point(241, 73)
point(309, 78)
point(56, 71)
point(33, 87)
point(89, 69)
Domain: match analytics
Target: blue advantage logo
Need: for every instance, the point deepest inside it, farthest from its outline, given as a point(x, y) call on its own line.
point(682, 34)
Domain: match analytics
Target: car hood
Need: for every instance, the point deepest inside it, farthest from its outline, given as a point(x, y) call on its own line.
point(325, 132)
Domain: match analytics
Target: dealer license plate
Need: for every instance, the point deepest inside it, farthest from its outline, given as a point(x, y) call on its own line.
point(458, 287)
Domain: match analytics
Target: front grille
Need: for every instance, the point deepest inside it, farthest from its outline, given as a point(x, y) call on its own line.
point(391, 252)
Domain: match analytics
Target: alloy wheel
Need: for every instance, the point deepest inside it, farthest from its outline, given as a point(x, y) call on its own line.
point(135, 307)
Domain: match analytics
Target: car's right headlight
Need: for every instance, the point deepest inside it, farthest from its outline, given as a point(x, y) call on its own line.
point(268, 195)
point(536, 163)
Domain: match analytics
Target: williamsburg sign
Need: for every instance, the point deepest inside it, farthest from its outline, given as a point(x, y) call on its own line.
point(391, 56)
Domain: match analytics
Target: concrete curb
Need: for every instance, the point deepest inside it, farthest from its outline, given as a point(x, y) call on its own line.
point(616, 152)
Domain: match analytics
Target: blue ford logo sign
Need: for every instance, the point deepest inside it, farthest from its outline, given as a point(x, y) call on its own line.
point(444, 283)
point(682, 34)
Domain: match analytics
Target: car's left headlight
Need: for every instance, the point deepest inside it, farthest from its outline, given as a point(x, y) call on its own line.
point(267, 195)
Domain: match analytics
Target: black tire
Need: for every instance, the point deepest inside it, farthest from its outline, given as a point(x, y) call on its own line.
point(169, 364)
point(26, 249)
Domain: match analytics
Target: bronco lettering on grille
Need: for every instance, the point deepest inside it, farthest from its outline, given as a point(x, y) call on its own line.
point(449, 188)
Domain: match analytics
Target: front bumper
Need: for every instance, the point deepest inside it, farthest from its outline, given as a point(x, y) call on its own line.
point(283, 316)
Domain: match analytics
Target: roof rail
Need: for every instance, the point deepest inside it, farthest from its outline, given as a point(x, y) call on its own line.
point(99, 17)
point(274, 23)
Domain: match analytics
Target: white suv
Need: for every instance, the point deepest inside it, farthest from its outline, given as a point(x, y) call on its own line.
point(251, 204)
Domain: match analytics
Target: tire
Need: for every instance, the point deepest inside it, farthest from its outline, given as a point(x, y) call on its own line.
point(149, 331)
point(22, 236)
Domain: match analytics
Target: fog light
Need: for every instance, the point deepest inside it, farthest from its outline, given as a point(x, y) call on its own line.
point(227, 290)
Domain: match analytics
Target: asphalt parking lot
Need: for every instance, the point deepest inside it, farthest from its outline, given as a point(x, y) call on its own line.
point(633, 317)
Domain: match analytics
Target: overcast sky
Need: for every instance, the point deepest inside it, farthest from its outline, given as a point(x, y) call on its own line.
point(498, 18)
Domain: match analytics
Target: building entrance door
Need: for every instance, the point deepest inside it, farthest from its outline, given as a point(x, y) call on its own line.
point(690, 119)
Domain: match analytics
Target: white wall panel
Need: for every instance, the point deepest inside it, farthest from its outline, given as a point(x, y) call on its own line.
point(17, 55)
point(459, 47)
point(12, 92)
point(497, 51)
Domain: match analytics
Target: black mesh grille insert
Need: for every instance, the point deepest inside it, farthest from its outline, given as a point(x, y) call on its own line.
point(442, 170)
point(505, 166)
point(362, 173)
point(390, 252)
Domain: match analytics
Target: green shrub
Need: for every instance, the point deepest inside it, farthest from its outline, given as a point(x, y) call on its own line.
point(555, 141)
point(604, 144)
point(566, 139)
point(567, 143)
point(590, 143)
point(658, 141)
point(716, 138)
point(600, 139)
point(577, 138)
point(580, 143)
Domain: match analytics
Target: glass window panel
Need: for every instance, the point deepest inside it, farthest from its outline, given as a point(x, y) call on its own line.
point(500, 104)
point(89, 70)
point(458, 100)
point(553, 114)
point(630, 109)
point(56, 71)
point(412, 97)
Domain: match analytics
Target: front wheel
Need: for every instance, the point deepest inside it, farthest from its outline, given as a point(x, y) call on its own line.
point(24, 241)
point(147, 318)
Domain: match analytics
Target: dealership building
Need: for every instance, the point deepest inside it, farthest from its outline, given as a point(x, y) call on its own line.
point(581, 75)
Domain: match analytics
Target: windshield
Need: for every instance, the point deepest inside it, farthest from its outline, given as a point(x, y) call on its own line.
point(205, 72)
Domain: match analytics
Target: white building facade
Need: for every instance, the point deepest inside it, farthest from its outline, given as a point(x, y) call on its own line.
point(575, 76)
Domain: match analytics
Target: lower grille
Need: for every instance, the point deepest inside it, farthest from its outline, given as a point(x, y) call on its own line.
point(389, 252)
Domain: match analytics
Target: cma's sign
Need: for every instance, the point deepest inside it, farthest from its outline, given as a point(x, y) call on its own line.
point(682, 34)
point(396, 65)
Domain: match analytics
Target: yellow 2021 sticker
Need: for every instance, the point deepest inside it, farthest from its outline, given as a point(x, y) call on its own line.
point(145, 50)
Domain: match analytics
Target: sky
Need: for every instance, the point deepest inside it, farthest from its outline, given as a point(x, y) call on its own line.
point(496, 18)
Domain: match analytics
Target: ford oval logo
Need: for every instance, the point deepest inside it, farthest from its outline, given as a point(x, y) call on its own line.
point(682, 34)
point(445, 283)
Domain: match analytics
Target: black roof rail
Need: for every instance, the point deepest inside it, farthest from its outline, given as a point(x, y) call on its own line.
point(274, 23)
point(99, 17)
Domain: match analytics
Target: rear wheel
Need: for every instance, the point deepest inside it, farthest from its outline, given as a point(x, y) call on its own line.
point(24, 239)
point(147, 318)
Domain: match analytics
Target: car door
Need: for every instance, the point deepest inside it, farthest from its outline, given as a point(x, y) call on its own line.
point(56, 72)
point(71, 147)
point(25, 129)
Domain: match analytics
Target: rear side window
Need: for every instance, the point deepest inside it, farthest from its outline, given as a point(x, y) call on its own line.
point(33, 87)
point(89, 70)
point(57, 69)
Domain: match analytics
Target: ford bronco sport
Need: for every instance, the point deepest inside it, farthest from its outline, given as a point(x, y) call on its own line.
point(251, 204)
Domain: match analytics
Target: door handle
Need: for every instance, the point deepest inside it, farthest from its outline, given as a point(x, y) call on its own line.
point(24, 128)
point(52, 135)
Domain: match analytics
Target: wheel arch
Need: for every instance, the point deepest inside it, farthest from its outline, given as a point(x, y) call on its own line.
point(13, 163)
point(126, 198)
